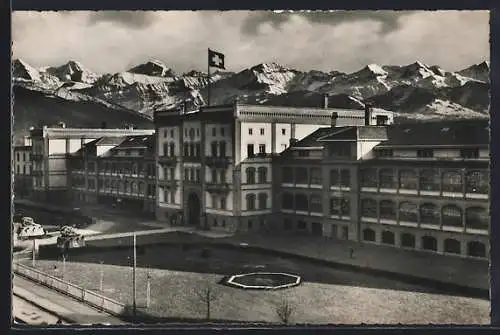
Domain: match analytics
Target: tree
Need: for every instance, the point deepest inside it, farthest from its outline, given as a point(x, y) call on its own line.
point(284, 310)
point(207, 294)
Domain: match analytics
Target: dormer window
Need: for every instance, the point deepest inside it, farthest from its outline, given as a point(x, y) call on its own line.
point(303, 153)
point(469, 153)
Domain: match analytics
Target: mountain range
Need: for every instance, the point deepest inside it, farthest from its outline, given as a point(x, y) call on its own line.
point(76, 95)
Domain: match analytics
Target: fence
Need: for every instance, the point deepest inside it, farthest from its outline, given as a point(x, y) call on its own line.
point(89, 297)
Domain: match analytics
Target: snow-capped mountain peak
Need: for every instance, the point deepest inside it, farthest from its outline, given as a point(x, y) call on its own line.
point(73, 71)
point(153, 67)
point(376, 69)
point(22, 70)
point(269, 67)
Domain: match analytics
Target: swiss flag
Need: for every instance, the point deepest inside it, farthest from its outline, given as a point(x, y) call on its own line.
point(216, 59)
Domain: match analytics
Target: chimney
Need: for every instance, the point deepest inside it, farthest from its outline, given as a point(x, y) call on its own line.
point(325, 101)
point(103, 125)
point(368, 114)
point(335, 116)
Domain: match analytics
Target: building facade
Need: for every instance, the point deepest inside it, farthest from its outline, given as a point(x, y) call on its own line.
point(414, 186)
point(50, 149)
point(115, 171)
point(215, 164)
point(23, 184)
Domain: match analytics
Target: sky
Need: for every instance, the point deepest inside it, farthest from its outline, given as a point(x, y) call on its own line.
point(112, 41)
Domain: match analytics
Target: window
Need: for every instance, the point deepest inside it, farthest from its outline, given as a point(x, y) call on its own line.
point(344, 178)
point(186, 149)
point(191, 150)
point(283, 131)
point(452, 181)
point(287, 174)
point(18, 169)
point(429, 180)
point(250, 224)
point(477, 182)
point(408, 212)
point(476, 249)
point(408, 240)
point(382, 120)
point(287, 201)
point(339, 206)
point(262, 200)
point(301, 202)
point(214, 175)
point(303, 153)
point(301, 175)
point(186, 174)
point(262, 175)
point(425, 153)
point(387, 209)
point(340, 149)
point(452, 246)
point(429, 243)
point(222, 176)
point(198, 175)
point(172, 197)
point(452, 216)
point(250, 131)
point(368, 235)
point(429, 214)
point(387, 178)
point(262, 131)
point(316, 204)
point(388, 237)
point(369, 208)
point(222, 149)
point(250, 202)
point(213, 147)
point(222, 203)
point(469, 153)
point(262, 149)
point(316, 177)
point(250, 172)
point(172, 133)
point(334, 178)
point(222, 131)
point(408, 179)
point(172, 149)
point(18, 155)
point(165, 173)
point(214, 131)
point(477, 218)
point(250, 150)
point(198, 150)
point(185, 132)
point(369, 178)
point(214, 201)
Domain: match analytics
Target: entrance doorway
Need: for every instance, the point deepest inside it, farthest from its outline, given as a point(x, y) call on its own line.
point(194, 210)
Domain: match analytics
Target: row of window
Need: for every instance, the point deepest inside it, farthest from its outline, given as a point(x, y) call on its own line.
point(115, 184)
point(261, 175)
point(430, 243)
point(314, 203)
point(427, 213)
point(191, 132)
point(192, 174)
point(169, 196)
point(251, 201)
point(476, 181)
point(26, 169)
point(251, 150)
point(26, 156)
point(127, 168)
point(429, 153)
point(314, 176)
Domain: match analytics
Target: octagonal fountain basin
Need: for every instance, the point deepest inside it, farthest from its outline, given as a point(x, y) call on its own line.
point(262, 280)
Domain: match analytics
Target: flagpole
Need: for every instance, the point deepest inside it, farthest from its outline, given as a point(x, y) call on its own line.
point(208, 71)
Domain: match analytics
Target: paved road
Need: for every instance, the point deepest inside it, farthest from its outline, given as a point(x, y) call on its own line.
point(31, 314)
point(61, 305)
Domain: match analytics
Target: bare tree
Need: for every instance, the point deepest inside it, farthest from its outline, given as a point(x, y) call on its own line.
point(207, 294)
point(284, 310)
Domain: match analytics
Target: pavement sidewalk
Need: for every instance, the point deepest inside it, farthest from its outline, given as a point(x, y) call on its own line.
point(63, 306)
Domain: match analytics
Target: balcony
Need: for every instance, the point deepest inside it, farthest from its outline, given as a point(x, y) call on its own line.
point(192, 159)
point(219, 162)
point(218, 187)
point(167, 160)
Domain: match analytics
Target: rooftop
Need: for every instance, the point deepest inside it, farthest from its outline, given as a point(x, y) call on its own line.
point(144, 141)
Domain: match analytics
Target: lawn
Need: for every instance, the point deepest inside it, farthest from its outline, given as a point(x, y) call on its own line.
point(174, 294)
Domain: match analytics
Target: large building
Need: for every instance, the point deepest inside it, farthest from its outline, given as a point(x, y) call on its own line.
point(50, 149)
point(115, 171)
point(215, 164)
point(23, 183)
point(421, 186)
